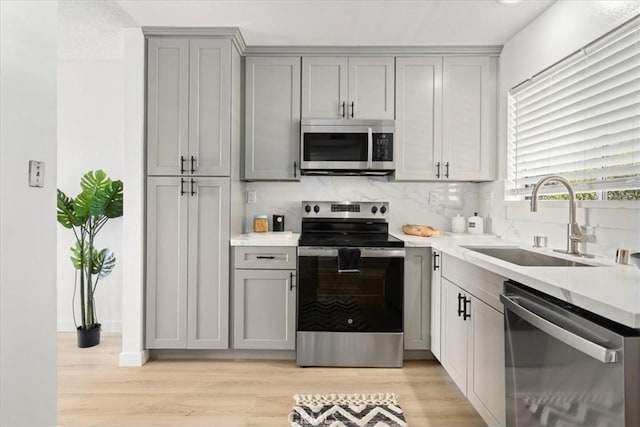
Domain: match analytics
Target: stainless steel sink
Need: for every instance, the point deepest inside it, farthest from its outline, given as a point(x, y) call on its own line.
point(526, 258)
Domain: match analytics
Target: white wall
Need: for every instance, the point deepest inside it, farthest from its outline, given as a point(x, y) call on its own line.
point(27, 223)
point(563, 28)
point(91, 115)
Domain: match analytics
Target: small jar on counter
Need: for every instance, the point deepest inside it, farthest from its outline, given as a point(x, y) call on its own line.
point(261, 224)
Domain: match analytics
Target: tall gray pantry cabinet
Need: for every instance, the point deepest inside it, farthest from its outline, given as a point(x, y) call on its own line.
point(188, 186)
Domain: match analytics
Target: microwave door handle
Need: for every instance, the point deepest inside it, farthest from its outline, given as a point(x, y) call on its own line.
point(583, 345)
point(369, 148)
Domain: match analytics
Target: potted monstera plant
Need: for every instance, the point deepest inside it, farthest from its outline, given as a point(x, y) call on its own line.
point(99, 201)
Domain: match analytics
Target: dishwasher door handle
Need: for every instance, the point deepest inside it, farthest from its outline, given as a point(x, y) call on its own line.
point(583, 345)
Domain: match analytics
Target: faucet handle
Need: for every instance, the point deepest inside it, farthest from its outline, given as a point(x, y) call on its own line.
point(576, 234)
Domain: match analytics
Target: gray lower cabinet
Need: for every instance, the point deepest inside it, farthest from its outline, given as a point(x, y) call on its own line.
point(272, 118)
point(436, 306)
point(264, 298)
point(417, 299)
point(187, 292)
point(188, 106)
point(472, 338)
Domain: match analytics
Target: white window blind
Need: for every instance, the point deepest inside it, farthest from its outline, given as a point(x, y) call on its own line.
point(580, 119)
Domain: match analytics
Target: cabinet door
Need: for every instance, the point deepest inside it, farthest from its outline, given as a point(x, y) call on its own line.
point(166, 299)
point(486, 386)
point(167, 105)
point(208, 285)
point(436, 302)
point(264, 308)
point(468, 116)
point(454, 336)
point(371, 81)
point(417, 299)
point(418, 118)
point(272, 122)
point(324, 87)
point(209, 107)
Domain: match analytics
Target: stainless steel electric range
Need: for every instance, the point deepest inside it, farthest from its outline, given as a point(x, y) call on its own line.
point(350, 286)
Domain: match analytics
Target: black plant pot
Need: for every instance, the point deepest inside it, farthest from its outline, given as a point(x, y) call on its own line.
point(89, 337)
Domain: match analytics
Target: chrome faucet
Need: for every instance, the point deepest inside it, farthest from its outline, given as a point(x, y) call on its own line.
point(574, 234)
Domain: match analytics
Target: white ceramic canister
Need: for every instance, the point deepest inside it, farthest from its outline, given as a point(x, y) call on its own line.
point(458, 224)
point(475, 224)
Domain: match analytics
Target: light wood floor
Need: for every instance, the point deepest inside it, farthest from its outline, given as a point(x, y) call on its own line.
point(94, 391)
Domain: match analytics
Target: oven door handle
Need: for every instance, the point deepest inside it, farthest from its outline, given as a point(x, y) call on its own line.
point(583, 345)
point(364, 252)
point(369, 145)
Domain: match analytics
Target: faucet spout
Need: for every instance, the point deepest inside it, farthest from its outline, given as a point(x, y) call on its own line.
point(574, 235)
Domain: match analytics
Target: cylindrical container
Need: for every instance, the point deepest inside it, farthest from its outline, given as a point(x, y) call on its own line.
point(539, 241)
point(278, 223)
point(622, 256)
point(261, 224)
point(458, 224)
point(475, 224)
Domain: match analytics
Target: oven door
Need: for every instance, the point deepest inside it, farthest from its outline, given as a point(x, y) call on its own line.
point(366, 299)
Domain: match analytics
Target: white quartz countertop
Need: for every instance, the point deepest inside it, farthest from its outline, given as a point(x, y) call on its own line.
point(608, 289)
point(271, 238)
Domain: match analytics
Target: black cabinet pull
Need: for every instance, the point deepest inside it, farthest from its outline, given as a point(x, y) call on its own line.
point(438, 170)
point(291, 285)
point(182, 159)
point(446, 174)
point(295, 171)
point(265, 257)
point(460, 300)
point(343, 109)
point(193, 187)
point(182, 187)
point(465, 315)
point(436, 255)
point(193, 161)
point(352, 108)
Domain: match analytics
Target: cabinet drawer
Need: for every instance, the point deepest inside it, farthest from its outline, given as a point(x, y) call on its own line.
point(268, 257)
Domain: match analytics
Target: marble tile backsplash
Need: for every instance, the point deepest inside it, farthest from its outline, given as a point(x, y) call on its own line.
point(608, 227)
point(431, 204)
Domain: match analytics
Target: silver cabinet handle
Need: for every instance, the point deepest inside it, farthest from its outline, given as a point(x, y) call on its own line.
point(583, 345)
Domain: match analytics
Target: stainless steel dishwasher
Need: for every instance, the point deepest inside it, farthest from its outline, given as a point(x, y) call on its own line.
point(566, 366)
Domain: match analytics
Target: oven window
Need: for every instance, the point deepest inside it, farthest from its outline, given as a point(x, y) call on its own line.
point(339, 147)
point(366, 301)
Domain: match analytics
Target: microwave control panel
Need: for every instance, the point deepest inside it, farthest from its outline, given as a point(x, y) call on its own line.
point(382, 147)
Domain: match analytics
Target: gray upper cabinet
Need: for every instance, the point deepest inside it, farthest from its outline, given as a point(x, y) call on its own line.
point(187, 262)
point(418, 117)
point(188, 106)
point(167, 105)
point(468, 117)
point(272, 119)
point(348, 87)
point(446, 118)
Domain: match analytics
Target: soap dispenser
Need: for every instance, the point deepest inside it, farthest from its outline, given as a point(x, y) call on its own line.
point(475, 224)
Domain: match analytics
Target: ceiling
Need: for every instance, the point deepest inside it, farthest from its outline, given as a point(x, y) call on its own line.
point(347, 22)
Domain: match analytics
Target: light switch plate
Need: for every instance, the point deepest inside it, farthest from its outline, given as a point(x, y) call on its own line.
point(251, 196)
point(36, 173)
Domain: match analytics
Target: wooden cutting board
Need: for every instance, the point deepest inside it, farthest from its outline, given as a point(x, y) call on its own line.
point(420, 230)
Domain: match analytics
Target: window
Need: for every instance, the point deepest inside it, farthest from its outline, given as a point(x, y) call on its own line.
point(580, 118)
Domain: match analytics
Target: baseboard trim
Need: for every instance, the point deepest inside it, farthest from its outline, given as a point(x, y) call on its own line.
point(133, 359)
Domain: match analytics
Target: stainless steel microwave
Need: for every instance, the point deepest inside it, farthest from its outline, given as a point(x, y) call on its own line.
point(345, 147)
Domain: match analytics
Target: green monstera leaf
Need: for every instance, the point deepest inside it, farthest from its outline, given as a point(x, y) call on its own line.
point(66, 214)
point(80, 255)
point(93, 184)
point(110, 201)
point(103, 263)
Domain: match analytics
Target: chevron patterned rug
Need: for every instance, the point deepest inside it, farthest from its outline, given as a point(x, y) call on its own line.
point(347, 410)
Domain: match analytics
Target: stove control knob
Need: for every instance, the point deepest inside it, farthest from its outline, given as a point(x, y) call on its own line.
point(307, 209)
point(383, 210)
point(316, 208)
point(374, 209)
